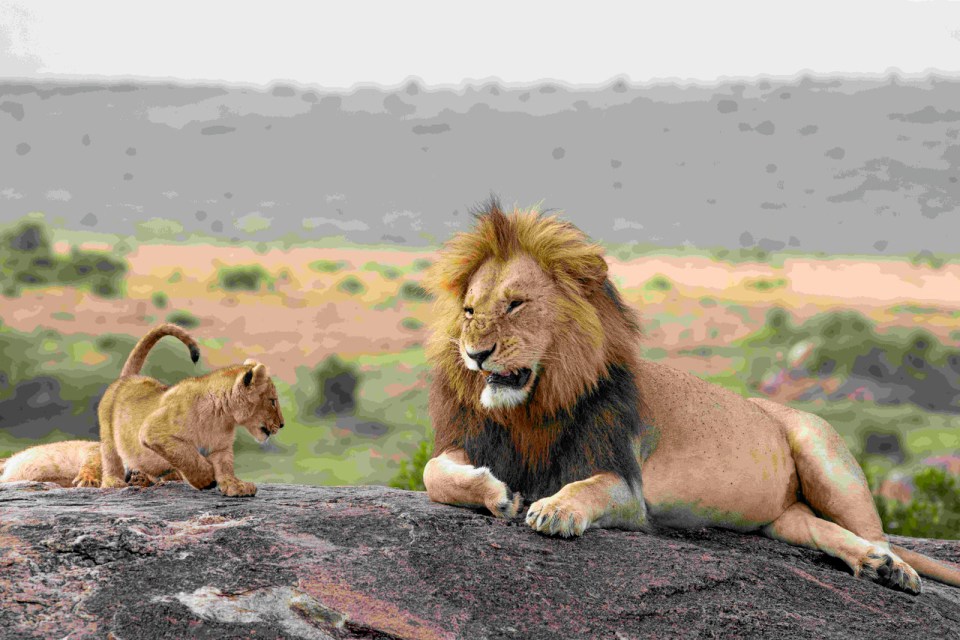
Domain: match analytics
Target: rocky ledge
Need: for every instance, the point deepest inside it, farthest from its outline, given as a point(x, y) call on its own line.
point(371, 562)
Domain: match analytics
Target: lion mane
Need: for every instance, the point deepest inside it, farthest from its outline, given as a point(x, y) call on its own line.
point(585, 409)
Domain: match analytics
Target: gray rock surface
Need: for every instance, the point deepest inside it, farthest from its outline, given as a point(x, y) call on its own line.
point(371, 562)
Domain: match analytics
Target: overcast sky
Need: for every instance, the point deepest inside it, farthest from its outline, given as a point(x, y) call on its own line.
point(341, 44)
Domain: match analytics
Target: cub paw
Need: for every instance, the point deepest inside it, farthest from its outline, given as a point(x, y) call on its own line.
point(86, 479)
point(886, 568)
point(203, 480)
point(113, 482)
point(557, 517)
point(136, 478)
point(235, 487)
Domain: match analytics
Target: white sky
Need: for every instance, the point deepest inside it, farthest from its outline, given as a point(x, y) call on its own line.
point(348, 42)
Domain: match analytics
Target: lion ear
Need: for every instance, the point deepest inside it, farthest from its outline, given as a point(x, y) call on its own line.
point(249, 361)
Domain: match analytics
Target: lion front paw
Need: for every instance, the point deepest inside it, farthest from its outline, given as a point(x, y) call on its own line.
point(505, 504)
point(886, 568)
point(556, 516)
point(235, 487)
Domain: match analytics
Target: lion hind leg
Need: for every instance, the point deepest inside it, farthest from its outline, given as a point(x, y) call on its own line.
point(799, 526)
point(831, 480)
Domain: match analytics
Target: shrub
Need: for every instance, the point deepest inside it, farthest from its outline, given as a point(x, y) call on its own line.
point(411, 323)
point(933, 511)
point(27, 260)
point(328, 266)
point(244, 277)
point(351, 285)
point(184, 318)
point(410, 475)
point(658, 283)
point(414, 292)
point(160, 300)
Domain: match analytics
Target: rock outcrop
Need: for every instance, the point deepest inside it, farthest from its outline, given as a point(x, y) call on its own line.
point(371, 562)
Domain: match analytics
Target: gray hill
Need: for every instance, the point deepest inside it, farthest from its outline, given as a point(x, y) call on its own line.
point(836, 165)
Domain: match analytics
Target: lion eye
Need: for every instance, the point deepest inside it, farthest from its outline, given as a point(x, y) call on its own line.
point(468, 311)
point(514, 304)
point(273, 401)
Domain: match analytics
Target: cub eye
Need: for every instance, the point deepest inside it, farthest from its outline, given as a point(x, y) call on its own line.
point(468, 311)
point(514, 304)
point(273, 401)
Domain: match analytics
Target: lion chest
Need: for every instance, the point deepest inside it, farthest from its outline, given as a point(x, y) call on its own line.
point(596, 435)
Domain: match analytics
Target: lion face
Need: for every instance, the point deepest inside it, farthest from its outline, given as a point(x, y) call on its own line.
point(509, 313)
point(255, 404)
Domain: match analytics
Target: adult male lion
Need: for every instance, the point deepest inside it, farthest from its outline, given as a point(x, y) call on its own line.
point(539, 390)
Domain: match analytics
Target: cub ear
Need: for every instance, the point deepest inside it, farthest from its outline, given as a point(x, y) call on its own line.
point(249, 361)
point(257, 374)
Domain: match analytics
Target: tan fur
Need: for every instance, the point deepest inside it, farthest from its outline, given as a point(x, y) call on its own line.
point(68, 463)
point(189, 427)
point(709, 457)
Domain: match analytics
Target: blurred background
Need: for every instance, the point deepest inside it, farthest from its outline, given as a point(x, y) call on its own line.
point(787, 232)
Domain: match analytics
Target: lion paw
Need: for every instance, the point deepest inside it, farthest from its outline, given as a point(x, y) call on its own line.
point(235, 487)
point(554, 517)
point(506, 504)
point(886, 568)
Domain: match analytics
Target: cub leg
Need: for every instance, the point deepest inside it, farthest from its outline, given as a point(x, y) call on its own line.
point(157, 435)
point(799, 526)
point(451, 479)
point(227, 481)
point(113, 471)
point(605, 500)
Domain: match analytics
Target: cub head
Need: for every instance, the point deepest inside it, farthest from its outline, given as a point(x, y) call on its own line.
point(526, 315)
point(254, 401)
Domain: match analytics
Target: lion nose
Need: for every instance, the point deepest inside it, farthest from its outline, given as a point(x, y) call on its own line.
point(480, 356)
point(281, 425)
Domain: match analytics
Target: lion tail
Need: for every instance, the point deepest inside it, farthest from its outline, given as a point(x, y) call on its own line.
point(139, 354)
point(948, 573)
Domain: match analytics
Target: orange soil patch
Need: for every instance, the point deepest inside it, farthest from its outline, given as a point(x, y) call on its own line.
point(307, 318)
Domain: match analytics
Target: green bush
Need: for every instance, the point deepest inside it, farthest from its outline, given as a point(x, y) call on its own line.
point(933, 512)
point(160, 300)
point(184, 318)
point(411, 323)
point(410, 475)
point(388, 272)
point(414, 292)
point(351, 285)
point(244, 278)
point(328, 266)
point(421, 264)
point(27, 260)
point(658, 283)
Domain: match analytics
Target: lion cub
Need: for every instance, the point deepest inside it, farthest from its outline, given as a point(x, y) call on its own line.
point(71, 463)
point(188, 427)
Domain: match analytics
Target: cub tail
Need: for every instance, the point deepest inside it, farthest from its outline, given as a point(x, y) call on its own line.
point(947, 573)
point(139, 354)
